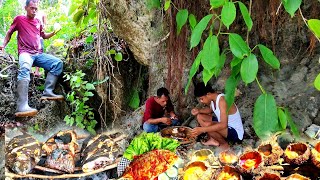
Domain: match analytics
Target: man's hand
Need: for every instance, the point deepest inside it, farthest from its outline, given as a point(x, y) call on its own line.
point(196, 131)
point(56, 28)
point(166, 120)
point(195, 111)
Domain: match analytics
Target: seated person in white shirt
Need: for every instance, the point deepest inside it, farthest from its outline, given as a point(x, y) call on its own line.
point(224, 126)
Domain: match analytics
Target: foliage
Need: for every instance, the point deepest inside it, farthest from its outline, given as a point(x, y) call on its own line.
point(81, 90)
point(146, 142)
point(244, 65)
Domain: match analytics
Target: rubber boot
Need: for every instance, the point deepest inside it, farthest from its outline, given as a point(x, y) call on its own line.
point(49, 86)
point(23, 109)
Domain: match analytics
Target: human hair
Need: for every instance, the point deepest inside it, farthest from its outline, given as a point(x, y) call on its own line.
point(162, 91)
point(28, 2)
point(201, 89)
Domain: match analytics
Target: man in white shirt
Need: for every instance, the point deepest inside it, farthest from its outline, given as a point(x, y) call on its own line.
point(224, 126)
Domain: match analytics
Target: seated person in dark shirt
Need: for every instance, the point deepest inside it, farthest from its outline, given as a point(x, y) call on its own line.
point(159, 112)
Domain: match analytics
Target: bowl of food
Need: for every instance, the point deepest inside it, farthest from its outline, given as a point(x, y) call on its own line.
point(180, 133)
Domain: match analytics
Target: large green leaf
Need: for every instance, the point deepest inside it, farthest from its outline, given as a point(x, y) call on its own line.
point(317, 82)
point(269, 57)
point(210, 53)
point(207, 75)
point(292, 125)
point(134, 100)
point(181, 19)
point(228, 14)
point(220, 63)
point(192, 21)
point(198, 30)
point(193, 70)
point(230, 89)
point(238, 46)
point(265, 117)
point(282, 118)
point(314, 25)
point(249, 68)
point(245, 15)
point(291, 6)
point(216, 3)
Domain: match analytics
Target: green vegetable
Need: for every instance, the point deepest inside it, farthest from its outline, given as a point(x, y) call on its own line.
point(146, 142)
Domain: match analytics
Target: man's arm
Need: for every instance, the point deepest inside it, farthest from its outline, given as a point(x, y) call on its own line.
point(223, 118)
point(48, 35)
point(196, 111)
point(9, 34)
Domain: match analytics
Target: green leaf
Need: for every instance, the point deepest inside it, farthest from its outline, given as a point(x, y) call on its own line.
point(167, 5)
point(314, 26)
point(220, 64)
point(265, 116)
point(192, 21)
point(153, 4)
point(291, 6)
point(89, 39)
point(118, 56)
point(283, 118)
point(228, 14)
point(210, 53)
point(181, 19)
point(111, 51)
point(198, 30)
point(292, 125)
point(269, 57)
point(238, 46)
point(134, 100)
point(216, 3)
point(207, 75)
point(230, 89)
point(235, 70)
point(88, 94)
point(245, 15)
point(79, 14)
point(90, 86)
point(193, 70)
point(235, 61)
point(317, 82)
point(249, 68)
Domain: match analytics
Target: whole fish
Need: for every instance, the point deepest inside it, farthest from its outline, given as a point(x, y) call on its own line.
point(100, 151)
point(22, 154)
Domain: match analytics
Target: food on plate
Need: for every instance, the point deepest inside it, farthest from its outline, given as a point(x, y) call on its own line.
point(150, 165)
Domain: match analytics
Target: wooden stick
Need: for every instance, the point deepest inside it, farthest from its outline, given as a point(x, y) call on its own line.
point(64, 176)
point(48, 169)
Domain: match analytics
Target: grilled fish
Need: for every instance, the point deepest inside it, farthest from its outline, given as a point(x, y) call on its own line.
point(22, 154)
point(61, 149)
point(100, 151)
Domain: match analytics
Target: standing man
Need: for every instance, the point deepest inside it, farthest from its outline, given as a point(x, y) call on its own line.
point(29, 49)
point(159, 112)
point(224, 126)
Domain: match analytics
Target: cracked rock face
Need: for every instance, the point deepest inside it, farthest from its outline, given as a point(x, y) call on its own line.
point(134, 23)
